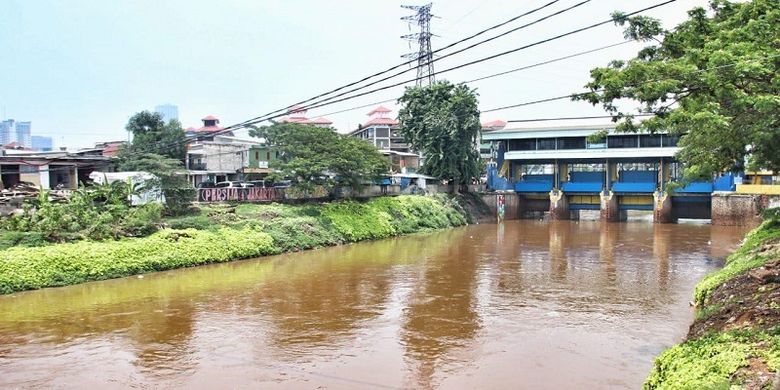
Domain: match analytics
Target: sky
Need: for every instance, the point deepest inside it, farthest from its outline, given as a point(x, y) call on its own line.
point(79, 69)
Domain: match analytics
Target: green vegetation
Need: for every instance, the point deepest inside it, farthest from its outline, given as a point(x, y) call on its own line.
point(711, 361)
point(160, 149)
point(442, 122)
point(721, 351)
point(713, 80)
point(313, 156)
point(220, 233)
point(97, 213)
point(747, 257)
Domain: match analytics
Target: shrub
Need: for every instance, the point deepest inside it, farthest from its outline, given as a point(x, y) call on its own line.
point(712, 360)
point(357, 221)
point(14, 238)
point(64, 264)
point(299, 233)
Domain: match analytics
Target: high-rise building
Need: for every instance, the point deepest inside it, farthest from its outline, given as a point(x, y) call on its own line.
point(6, 127)
point(43, 144)
point(23, 135)
point(168, 111)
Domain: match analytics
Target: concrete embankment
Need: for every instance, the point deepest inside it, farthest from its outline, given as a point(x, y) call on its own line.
point(735, 339)
point(224, 233)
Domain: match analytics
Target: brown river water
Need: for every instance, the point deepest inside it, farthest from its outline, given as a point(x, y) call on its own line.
point(522, 305)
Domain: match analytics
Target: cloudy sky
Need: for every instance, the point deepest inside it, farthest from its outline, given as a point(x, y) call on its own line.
point(78, 69)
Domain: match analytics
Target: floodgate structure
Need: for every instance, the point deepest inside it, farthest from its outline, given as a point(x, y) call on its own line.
point(561, 171)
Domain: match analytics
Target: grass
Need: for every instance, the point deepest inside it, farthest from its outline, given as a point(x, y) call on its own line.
point(221, 233)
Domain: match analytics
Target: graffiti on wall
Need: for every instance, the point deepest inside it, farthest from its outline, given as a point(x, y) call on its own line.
point(500, 207)
point(240, 194)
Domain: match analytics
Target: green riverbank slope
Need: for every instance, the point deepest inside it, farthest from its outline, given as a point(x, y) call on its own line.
point(224, 233)
point(734, 343)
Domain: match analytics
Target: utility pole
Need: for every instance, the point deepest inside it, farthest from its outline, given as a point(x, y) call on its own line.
point(424, 55)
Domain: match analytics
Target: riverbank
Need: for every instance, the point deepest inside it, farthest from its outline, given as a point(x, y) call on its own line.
point(224, 233)
point(735, 340)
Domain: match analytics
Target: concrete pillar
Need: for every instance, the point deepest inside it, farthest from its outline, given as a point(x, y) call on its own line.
point(610, 208)
point(43, 171)
point(559, 205)
point(662, 208)
point(730, 209)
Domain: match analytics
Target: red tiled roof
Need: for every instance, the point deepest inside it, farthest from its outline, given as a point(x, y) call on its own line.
point(495, 123)
point(208, 129)
point(379, 109)
point(189, 129)
point(321, 121)
point(210, 118)
point(381, 121)
point(294, 119)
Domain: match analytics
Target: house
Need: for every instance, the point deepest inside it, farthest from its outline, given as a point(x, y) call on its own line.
point(50, 170)
point(224, 158)
point(209, 129)
point(383, 132)
point(296, 114)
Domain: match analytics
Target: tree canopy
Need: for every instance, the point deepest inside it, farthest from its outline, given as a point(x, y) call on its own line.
point(713, 80)
point(152, 135)
point(311, 155)
point(160, 149)
point(441, 121)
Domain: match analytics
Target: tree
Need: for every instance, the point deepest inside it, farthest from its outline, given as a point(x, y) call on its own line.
point(152, 135)
point(312, 156)
point(713, 80)
point(442, 122)
point(160, 149)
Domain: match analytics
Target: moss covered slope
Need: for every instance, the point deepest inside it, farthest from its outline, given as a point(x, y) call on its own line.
point(735, 341)
point(224, 233)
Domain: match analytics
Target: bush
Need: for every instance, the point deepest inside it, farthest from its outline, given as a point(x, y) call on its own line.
point(358, 221)
point(742, 260)
point(299, 233)
point(64, 264)
point(13, 238)
point(710, 362)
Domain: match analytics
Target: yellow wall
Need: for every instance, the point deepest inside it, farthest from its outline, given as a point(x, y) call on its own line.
point(766, 189)
point(34, 178)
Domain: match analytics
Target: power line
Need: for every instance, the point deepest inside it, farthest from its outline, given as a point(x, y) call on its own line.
point(568, 118)
point(405, 63)
point(325, 102)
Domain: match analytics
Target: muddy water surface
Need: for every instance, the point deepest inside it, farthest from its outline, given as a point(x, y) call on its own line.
point(536, 305)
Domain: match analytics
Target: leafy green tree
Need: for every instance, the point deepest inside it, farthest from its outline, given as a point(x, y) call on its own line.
point(713, 80)
point(311, 156)
point(442, 122)
point(152, 135)
point(160, 149)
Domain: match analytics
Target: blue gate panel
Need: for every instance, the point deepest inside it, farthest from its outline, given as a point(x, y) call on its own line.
point(633, 187)
point(581, 187)
point(725, 183)
point(696, 187)
point(533, 186)
point(638, 176)
point(586, 177)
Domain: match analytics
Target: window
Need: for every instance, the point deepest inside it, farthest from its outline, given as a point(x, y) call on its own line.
point(546, 144)
point(382, 143)
point(268, 155)
point(28, 169)
point(382, 132)
point(670, 140)
point(596, 167)
point(522, 144)
point(622, 141)
point(571, 143)
point(650, 140)
point(257, 155)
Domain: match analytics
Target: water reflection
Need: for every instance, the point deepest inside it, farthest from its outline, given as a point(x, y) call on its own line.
point(587, 304)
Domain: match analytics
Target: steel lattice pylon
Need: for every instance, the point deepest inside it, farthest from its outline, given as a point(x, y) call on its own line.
point(424, 55)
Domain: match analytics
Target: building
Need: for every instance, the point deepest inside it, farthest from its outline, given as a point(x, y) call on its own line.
point(50, 170)
point(42, 144)
point(383, 132)
point(209, 129)
point(109, 148)
point(223, 158)
point(297, 114)
point(23, 133)
point(169, 112)
point(6, 131)
point(560, 170)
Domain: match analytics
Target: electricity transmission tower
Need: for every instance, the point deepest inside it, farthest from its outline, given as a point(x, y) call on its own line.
point(424, 55)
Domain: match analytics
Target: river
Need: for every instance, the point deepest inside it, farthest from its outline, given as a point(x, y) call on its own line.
point(524, 304)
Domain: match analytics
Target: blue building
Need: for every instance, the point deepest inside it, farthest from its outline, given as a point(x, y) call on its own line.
point(42, 144)
point(558, 169)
